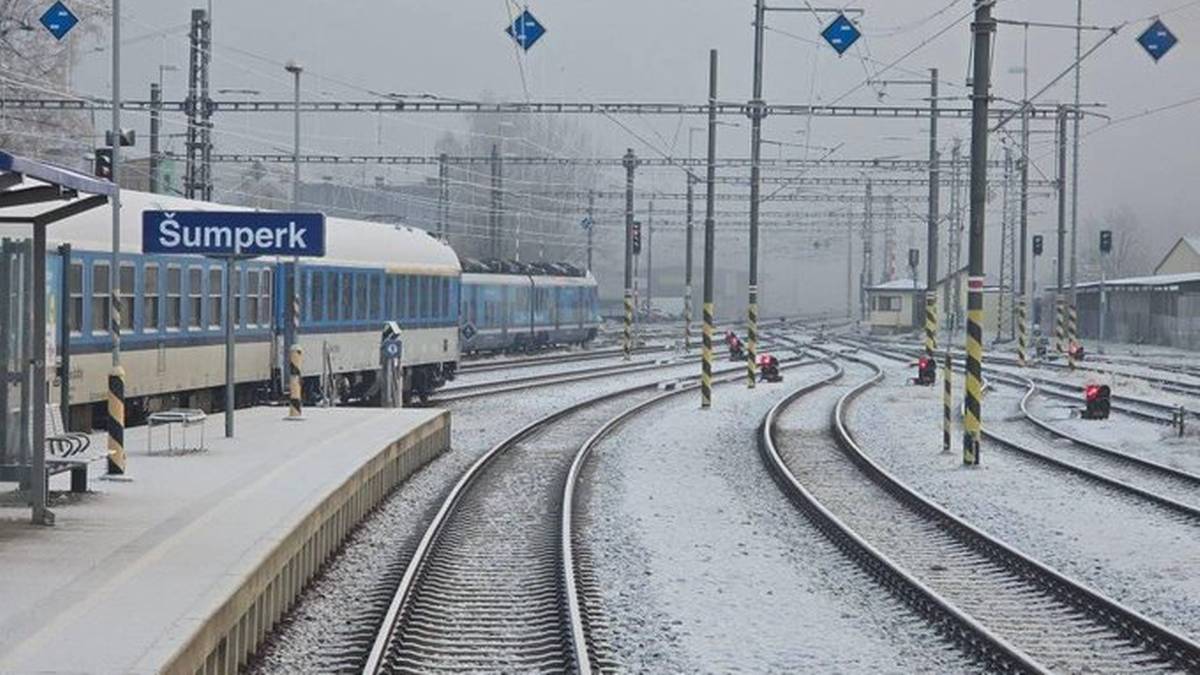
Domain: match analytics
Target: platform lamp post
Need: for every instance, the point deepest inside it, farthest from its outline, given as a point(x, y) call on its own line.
point(293, 354)
point(116, 377)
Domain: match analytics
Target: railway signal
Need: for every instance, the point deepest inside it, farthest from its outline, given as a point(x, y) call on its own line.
point(637, 237)
point(1038, 244)
point(926, 371)
point(1106, 241)
point(1096, 402)
point(103, 163)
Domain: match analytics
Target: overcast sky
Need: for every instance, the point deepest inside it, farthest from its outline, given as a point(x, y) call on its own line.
point(656, 50)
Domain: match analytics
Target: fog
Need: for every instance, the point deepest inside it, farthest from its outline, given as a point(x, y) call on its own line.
point(626, 50)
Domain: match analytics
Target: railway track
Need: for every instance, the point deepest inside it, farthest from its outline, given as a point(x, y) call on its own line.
point(494, 584)
point(1009, 610)
point(1176, 492)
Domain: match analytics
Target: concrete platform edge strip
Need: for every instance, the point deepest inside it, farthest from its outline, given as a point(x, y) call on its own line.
point(224, 641)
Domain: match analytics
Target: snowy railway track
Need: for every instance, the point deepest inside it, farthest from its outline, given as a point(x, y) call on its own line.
point(1172, 490)
point(492, 365)
point(494, 583)
point(1007, 609)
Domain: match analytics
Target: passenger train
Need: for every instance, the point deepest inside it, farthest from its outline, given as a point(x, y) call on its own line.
point(172, 336)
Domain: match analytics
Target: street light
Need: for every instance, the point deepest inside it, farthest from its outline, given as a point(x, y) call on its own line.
point(295, 69)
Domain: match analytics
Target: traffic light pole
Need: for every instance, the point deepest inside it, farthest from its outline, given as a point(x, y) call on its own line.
point(710, 236)
point(983, 27)
point(630, 163)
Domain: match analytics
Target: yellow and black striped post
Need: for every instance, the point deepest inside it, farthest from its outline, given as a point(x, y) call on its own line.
point(628, 323)
point(1022, 337)
point(1060, 328)
point(973, 402)
point(706, 357)
point(752, 338)
point(931, 325)
point(295, 392)
point(947, 402)
point(687, 316)
point(1072, 334)
point(116, 421)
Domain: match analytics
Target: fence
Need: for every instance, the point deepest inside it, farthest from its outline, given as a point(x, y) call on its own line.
point(16, 353)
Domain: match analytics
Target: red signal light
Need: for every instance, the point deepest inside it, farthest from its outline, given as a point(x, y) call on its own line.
point(923, 363)
point(1091, 392)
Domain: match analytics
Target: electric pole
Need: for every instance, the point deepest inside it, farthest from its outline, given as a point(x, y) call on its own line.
point(931, 234)
point(1060, 328)
point(155, 130)
point(687, 264)
point(756, 112)
point(630, 163)
point(710, 234)
point(983, 27)
point(591, 214)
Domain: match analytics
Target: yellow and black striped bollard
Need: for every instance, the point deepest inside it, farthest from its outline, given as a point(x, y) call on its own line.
point(1060, 328)
point(295, 391)
point(947, 402)
point(706, 357)
point(628, 324)
point(1072, 334)
point(972, 419)
point(1022, 336)
point(116, 421)
point(931, 326)
point(752, 338)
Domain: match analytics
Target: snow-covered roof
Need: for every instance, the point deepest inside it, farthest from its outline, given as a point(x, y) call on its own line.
point(896, 285)
point(1156, 280)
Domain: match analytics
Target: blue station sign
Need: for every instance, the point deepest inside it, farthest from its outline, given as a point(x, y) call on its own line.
point(236, 233)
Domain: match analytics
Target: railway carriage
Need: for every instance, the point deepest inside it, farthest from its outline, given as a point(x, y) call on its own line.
point(509, 306)
point(172, 332)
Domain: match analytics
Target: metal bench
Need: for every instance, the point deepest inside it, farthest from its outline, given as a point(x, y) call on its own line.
point(68, 450)
point(184, 418)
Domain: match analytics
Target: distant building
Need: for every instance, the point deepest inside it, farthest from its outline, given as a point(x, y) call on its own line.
point(895, 306)
point(135, 175)
point(1183, 257)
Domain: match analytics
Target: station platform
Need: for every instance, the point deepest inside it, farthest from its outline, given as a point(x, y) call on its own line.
point(186, 567)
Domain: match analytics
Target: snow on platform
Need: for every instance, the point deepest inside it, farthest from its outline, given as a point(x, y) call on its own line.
point(201, 553)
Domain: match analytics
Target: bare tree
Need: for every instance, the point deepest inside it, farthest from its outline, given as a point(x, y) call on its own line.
point(1128, 257)
point(33, 64)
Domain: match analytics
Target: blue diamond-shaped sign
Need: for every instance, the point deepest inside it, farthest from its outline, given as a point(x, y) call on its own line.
point(841, 34)
point(468, 330)
point(526, 30)
point(59, 20)
point(1157, 40)
point(586, 223)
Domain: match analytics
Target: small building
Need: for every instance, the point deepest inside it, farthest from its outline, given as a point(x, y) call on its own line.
point(1182, 258)
point(1163, 309)
point(895, 306)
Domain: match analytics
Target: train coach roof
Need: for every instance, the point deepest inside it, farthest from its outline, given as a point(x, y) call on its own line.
point(348, 242)
point(533, 269)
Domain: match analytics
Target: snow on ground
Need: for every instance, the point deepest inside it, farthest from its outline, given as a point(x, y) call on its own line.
point(326, 610)
point(704, 565)
point(1126, 433)
point(1127, 551)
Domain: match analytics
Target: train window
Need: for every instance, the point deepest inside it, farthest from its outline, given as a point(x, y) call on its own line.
point(345, 280)
point(252, 290)
point(397, 299)
point(215, 314)
point(126, 292)
point(376, 300)
point(435, 297)
point(235, 293)
point(333, 294)
point(150, 299)
point(446, 299)
point(264, 294)
point(410, 294)
point(360, 295)
point(317, 286)
point(195, 297)
point(424, 296)
point(100, 291)
point(174, 296)
point(75, 301)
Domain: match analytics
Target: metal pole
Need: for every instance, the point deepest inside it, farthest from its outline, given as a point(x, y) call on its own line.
point(155, 126)
point(756, 116)
point(1075, 154)
point(629, 161)
point(1060, 311)
point(591, 226)
point(41, 514)
point(709, 235)
point(295, 70)
point(931, 234)
point(64, 336)
point(650, 260)
point(116, 379)
point(444, 196)
point(292, 332)
point(494, 212)
point(230, 298)
point(983, 28)
point(849, 268)
point(687, 256)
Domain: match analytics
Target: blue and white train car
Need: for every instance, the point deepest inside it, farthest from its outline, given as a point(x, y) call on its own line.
point(172, 332)
point(508, 306)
